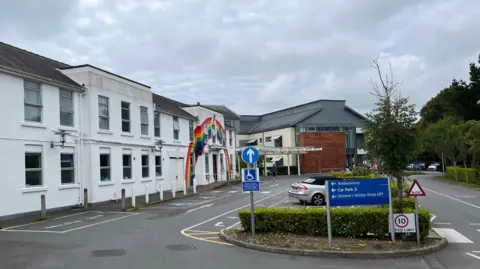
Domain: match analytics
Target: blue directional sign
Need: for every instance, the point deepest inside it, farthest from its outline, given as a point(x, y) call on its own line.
point(250, 180)
point(250, 155)
point(358, 192)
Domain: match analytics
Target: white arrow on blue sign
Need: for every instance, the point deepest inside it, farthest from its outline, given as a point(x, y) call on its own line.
point(250, 155)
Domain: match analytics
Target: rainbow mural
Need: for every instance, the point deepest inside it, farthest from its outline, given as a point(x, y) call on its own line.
point(201, 134)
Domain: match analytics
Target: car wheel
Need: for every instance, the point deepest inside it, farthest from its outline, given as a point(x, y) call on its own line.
point(318, 199)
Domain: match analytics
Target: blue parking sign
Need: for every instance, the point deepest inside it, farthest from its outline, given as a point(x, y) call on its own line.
point(250, 180)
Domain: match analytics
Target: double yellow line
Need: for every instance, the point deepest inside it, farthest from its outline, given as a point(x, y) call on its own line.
point(206, 236)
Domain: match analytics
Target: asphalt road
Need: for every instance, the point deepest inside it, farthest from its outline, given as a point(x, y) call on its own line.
point(183, 234)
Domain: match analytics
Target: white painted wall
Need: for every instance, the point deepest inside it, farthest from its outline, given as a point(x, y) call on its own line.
point(15, 134)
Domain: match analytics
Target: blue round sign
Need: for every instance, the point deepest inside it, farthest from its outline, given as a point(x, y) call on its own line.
point(250, 155)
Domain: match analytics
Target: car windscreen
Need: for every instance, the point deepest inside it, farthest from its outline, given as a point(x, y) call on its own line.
point(309, 180)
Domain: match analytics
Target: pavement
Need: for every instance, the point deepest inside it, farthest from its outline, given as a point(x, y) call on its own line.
point(183, 233)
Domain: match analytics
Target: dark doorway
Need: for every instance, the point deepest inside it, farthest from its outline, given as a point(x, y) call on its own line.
point(215, 172)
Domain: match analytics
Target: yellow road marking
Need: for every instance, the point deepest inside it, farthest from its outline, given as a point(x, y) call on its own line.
point(195, 231)
point(203, 233)
point(216, 237)
point(184, 232)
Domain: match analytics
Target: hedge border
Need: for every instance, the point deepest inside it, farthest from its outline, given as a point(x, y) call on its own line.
point(339, 254)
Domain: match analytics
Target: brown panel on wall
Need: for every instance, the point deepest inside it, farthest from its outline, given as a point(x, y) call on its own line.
point(332, 157)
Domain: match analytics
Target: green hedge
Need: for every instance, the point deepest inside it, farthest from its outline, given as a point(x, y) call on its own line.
point(408, 202)
point(472, 174)
point(346, 222)
point(393, 186)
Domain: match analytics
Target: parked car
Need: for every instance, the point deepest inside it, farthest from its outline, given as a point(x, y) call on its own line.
point(433, 167)
point(310, 190)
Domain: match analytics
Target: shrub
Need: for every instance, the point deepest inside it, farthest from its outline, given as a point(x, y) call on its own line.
point(393, 186)
point(346, 222)
point(471, 172)
point(350, 175)
point(408, 202)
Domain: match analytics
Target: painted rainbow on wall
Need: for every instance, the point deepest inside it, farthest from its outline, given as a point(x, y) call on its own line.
point(201, 134)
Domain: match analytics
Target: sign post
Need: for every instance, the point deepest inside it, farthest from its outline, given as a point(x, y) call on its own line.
point(251, 180)
point(355, 192)
point(415, 191)
point(390, 210)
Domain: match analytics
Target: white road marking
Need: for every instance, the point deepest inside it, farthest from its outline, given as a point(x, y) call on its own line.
point(474, 224)
point(465, 196)
point(473, 255)
point(219, 224)
point(22, 225)
point(236, 223)
point(209, 200)
point(232, 191)
point(442, 223)
point(63, 224)
point(232, 217)
point(101, 222)
point(452, 235)
point(475, 251)
point(216, 191)
point(453, 198)
point(34, 231)
point(95, 217)
point(274, 185)
point(197, 208)
point(233, 210)
point(265, 192)
point(432, 217)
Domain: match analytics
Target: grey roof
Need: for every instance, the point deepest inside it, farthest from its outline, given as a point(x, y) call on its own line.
point(227, 112)
point(170, 106)
point(89, 65)
point(34, 64)
point(331, 111)
point(228, 126)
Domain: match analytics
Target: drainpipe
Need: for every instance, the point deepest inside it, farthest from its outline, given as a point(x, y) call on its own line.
point(80, 150)
point(264, 157)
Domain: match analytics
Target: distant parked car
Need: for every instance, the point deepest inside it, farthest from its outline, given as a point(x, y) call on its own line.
point(310, 190)
point(433, 167)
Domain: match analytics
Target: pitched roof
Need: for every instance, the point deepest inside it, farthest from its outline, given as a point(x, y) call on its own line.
point(39, 66)
point(228, 126)
point(227, 112)
point(170, 106)
point(282, 121)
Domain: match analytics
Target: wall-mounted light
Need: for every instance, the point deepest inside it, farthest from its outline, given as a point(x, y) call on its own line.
point(63, 139)
point(158, 144)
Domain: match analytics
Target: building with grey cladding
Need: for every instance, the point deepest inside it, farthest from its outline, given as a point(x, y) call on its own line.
point(284, 128)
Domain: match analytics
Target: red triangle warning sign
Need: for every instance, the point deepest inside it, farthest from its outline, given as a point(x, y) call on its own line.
point(416, 189)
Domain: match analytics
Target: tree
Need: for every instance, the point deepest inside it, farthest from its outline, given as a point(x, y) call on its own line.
point(436, 138)
point(390, 133)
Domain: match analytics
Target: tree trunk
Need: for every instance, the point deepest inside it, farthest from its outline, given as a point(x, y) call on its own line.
point(466, 173)
point(443, 164)
point(400, 192)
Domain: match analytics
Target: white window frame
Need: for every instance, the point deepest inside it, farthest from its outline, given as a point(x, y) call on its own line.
point(72, 105)
point(158, 166)
point(143, 123)
point(128, 167)
point(207, 164)
point(67, 168)
point(100, 117)
point(26, 104)
point(190, 131)
point(109, 167)
point(176, 128)
point(145, 166)
point(129, 116)
point(156, 124)
point(230, 139)
point(34, 169)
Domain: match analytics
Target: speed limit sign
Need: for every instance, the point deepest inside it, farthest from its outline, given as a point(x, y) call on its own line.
point(404, 223)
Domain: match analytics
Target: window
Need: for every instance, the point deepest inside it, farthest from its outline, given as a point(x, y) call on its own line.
point(190, 130)
point(230, 134)
point(66, 108)
point(260, 140)
point(144, 120)
point(207, 167)
point(176, 128)
point(221, 163)
point(214, 133)
point(104, 167)
point(127, 166)
point(103, 115)
point(158, 166)
point(231, 162)
point(125, 107)
point(192, 164)
point(68, 168)
point(156, 124)
point(278, 143)
point(268, 139)
point(33, 169)
point(145, 167)
point(32, 101)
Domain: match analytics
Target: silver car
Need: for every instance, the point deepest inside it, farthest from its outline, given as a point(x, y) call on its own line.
point(310, 190)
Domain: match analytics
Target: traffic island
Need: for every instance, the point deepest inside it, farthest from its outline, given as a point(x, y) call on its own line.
point(360, 248)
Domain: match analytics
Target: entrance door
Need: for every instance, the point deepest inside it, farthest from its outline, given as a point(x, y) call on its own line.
point(176, 173)
point(215, 171)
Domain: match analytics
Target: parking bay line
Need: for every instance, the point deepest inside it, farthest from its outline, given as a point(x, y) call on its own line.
point(62, 217)
point(98, 223)
point(473, 255)
point(184, 231)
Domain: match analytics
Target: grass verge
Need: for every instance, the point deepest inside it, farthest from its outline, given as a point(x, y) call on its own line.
point(460, 183)
point(307, 242)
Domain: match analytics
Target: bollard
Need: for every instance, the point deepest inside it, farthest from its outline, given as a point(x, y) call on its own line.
point(160, 190)
point(146, 194)
point(173, 188)
point(85, 199)
point(133, 197)
point(195, 185)
point(184, 188)
point(43, 204)
point(124, 201)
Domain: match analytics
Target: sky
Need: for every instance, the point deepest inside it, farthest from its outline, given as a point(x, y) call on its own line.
point(257, 56)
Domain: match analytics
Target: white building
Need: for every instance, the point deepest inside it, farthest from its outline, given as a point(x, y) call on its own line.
point(67, 129)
